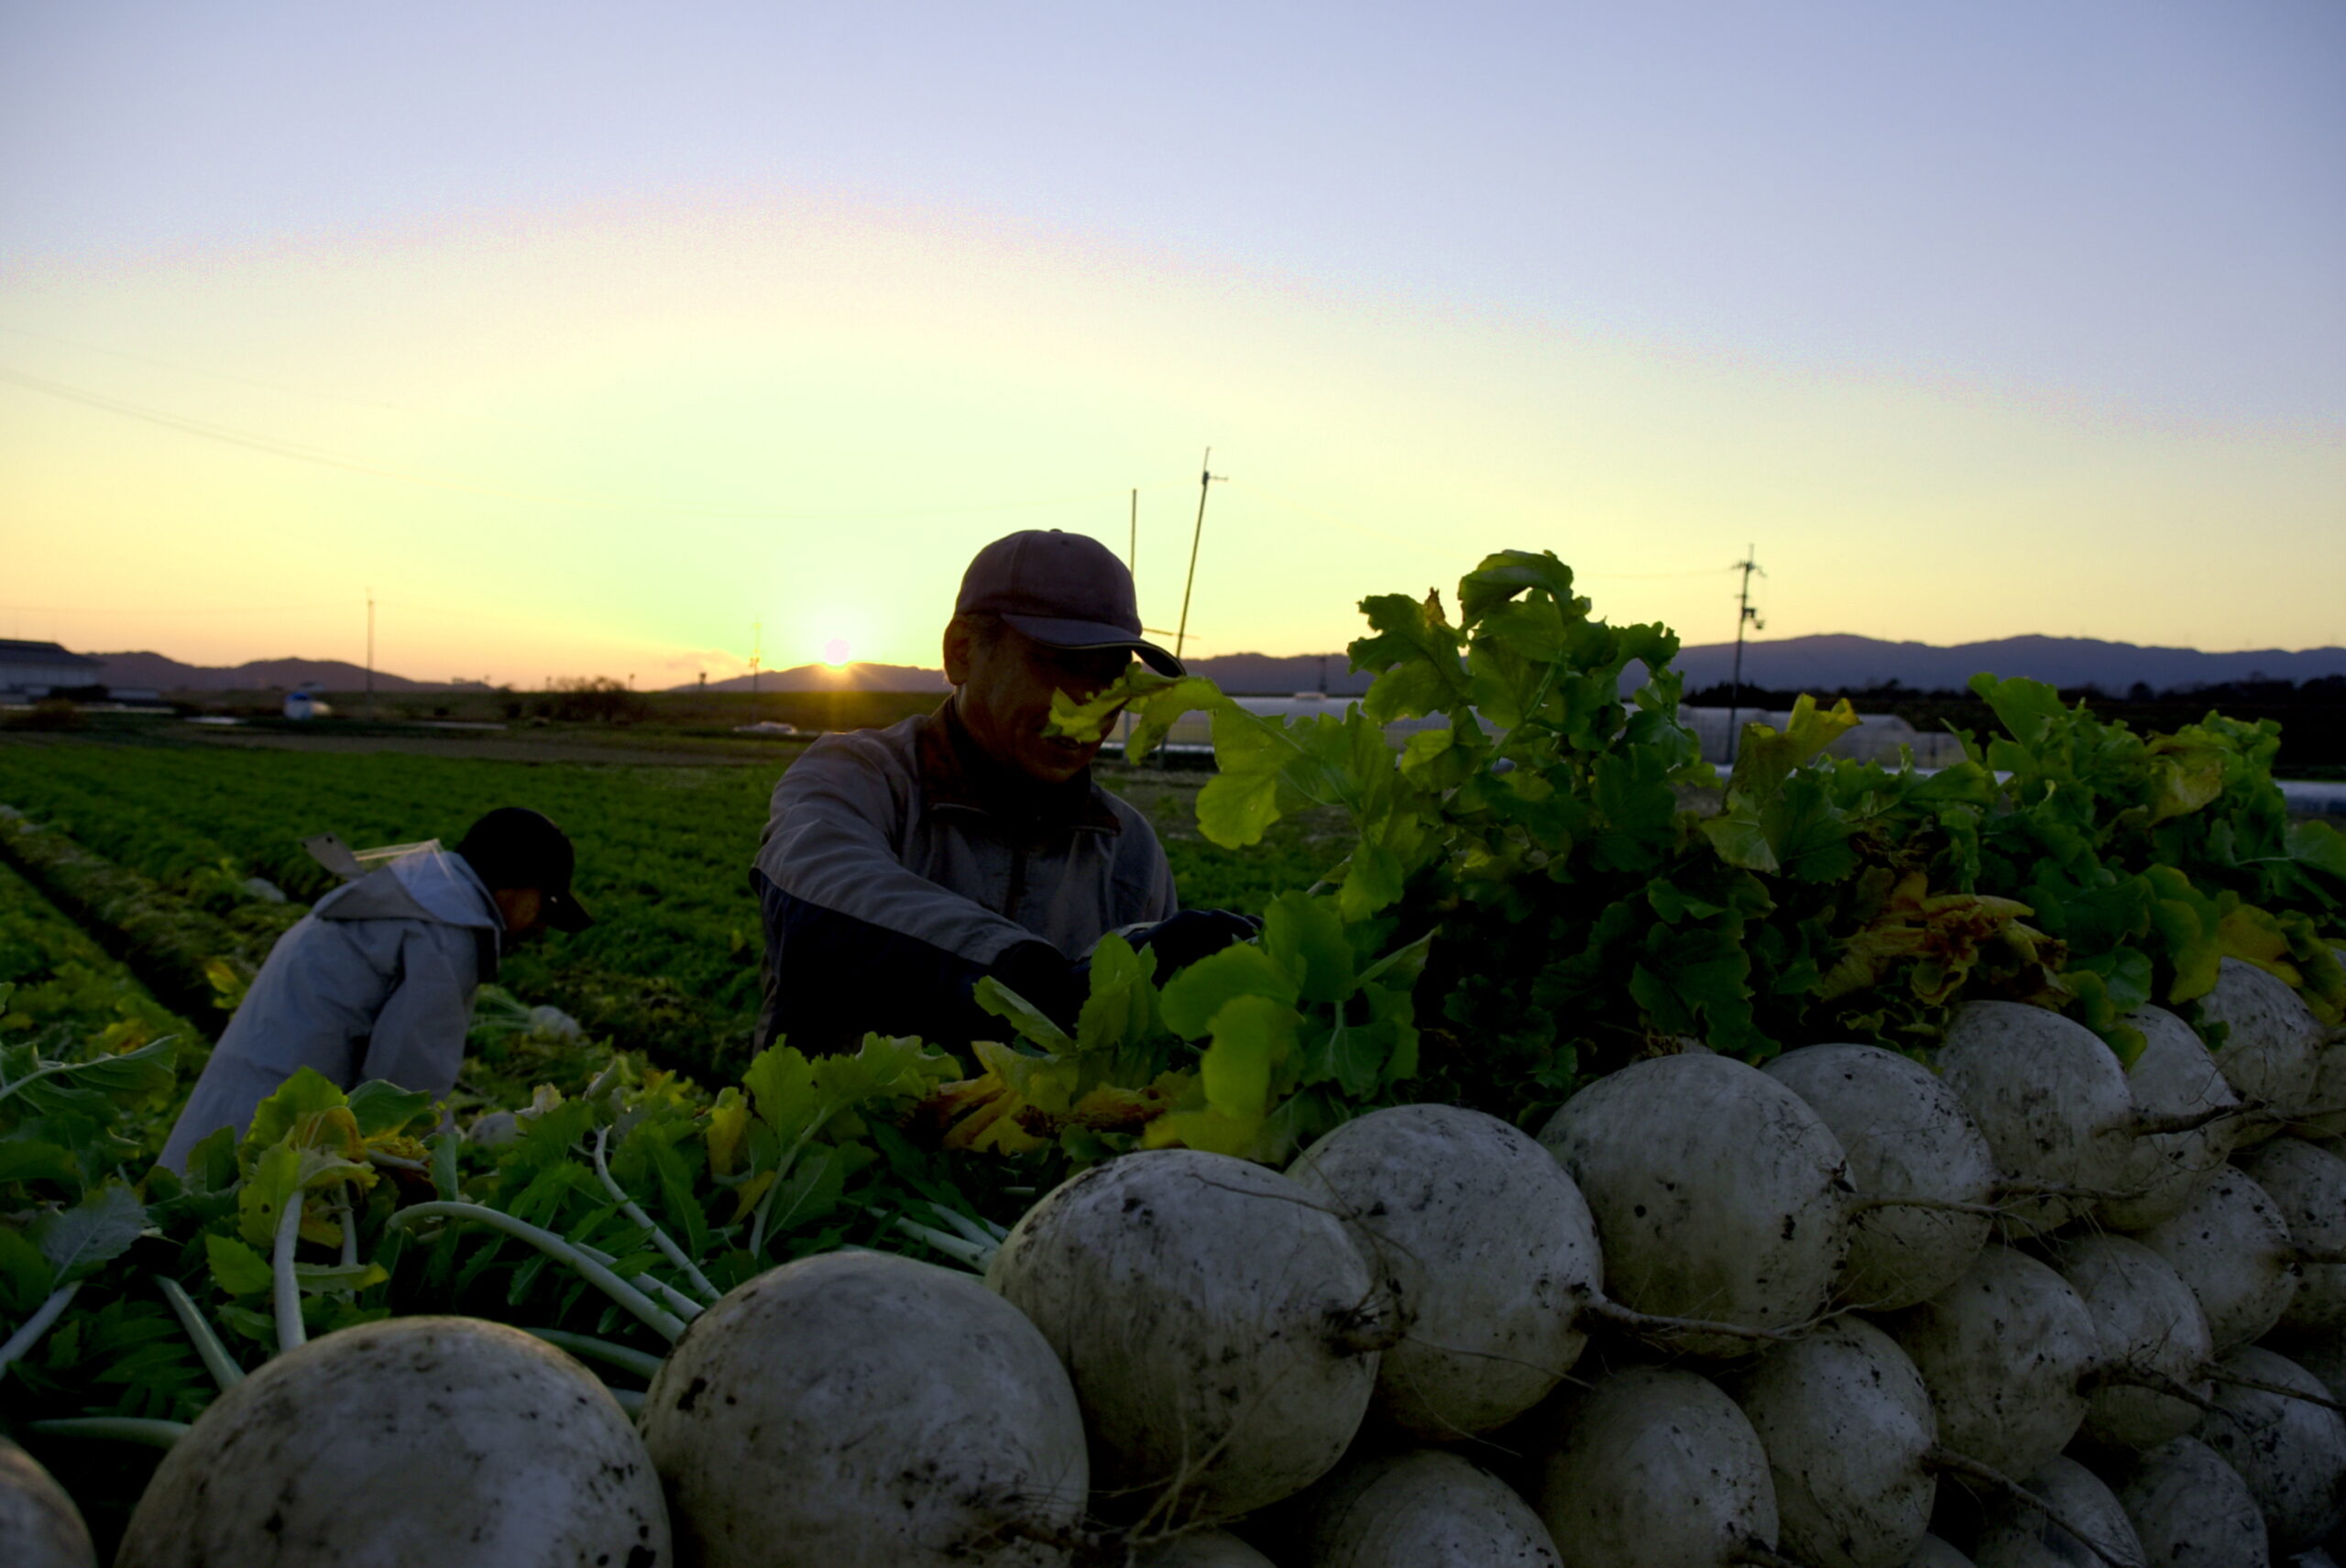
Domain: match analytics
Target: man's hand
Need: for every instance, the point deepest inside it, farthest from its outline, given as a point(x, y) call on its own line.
point(1060, 985)
point(1192, 935)
point(1042, 975)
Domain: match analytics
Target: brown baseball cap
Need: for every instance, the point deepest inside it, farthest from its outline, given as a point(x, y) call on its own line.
point(1064, 590)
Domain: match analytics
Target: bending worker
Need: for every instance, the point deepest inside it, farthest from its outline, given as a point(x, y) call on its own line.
point(376, 980)
point(902, 865)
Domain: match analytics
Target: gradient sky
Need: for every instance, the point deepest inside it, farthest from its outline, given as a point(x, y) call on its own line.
point(588, 336)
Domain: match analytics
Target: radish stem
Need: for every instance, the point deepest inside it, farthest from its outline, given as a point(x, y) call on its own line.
point(589, 1348)
point(971, 1255)
point(665, 1324)
point(215, 1358)
point(683, 1305)
point(121, 1429)
point(291, 1333)
point(25, 1337)
point(634, 1211)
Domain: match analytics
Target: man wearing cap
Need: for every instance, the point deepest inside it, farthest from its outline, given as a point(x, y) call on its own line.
point(376, 980)
point(900, 866)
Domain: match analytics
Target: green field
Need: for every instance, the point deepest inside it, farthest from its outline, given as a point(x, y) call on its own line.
point(61, 981)
point(671, 967)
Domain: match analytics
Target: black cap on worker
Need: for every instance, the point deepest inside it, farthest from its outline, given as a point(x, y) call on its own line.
point(515, 847)
point(1064, 590)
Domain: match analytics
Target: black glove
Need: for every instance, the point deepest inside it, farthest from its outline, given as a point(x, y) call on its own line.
point(1046, 977)
point(1193, 934)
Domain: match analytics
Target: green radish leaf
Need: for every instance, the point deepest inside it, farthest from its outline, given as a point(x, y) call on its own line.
point(1122, 1006)
point(1030, 1021)
point(27, 1277)
point(274, 1181)
point(445, 1183)
point(1193, 999)
point(1305, 936)
point(677, 1194)
point(34, 1159)
point(306, 1093)
point(383, 1108)
point(236, 1267)
point(338, 1279)
point(212, 1163)
point(100, 1228)
point(2030, 709)
point(1252, 1036)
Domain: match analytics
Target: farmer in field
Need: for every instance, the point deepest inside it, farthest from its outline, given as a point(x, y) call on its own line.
point(378, 980)
point(901, 866)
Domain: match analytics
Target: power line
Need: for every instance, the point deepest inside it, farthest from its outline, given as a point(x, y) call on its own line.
point(195, 371)
point(299, 452)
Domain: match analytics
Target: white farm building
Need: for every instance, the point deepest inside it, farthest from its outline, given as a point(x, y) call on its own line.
point(30, 670)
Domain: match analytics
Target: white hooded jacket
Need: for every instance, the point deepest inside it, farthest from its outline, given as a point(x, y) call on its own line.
point(376, 982)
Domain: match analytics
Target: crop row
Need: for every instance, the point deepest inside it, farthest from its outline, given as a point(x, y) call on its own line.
point(671, 967)
point(61, 979)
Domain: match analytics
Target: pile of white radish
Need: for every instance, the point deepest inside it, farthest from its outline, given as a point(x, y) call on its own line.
point(442, 1441)
point(39, 1526)
point(2016, 1305)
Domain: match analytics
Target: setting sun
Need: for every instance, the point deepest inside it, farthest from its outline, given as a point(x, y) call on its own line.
point(835, 652)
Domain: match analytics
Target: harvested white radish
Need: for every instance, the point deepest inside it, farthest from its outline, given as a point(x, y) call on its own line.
point(856, 1408)
point(2175, 1078)
point(2051, 1099)
point(1423, 1505)
point(1718, 1194)
point(2325, 1115)
point(1847, 1426)
point(1651, 1468)
point(1907, 1136)
point(39, 1526)
point(2189, 1509)
point(1200, 1549)
point(442, 1441)
point(2015, 1533)
point(2324, 1356)
point(2291, 1452)
point(2271, 1041)
point(2005, 1352)
point(2232, 1246)
point(1485, 1247)
point(1221, 1328)
point(2153, 1338)
point(2308, 1185)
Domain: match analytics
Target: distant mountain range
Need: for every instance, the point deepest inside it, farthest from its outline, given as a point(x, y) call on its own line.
point(1249, 672)
point(1829, 662)
point(1839, 661)
point(860, 677)
point(156, 672)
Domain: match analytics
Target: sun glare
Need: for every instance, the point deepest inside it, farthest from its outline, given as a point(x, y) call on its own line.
point(835, 652)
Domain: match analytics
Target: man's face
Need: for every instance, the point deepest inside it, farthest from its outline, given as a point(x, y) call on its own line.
point(1006, 697)
point(524, 912)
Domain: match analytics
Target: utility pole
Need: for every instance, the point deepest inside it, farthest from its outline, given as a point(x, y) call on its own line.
point(1744, 616)
point(757, 646)
point(1206, 477)
point(370, 647)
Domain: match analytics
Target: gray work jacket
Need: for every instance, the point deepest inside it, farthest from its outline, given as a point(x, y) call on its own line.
point(376, 982)
point(898, 866)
